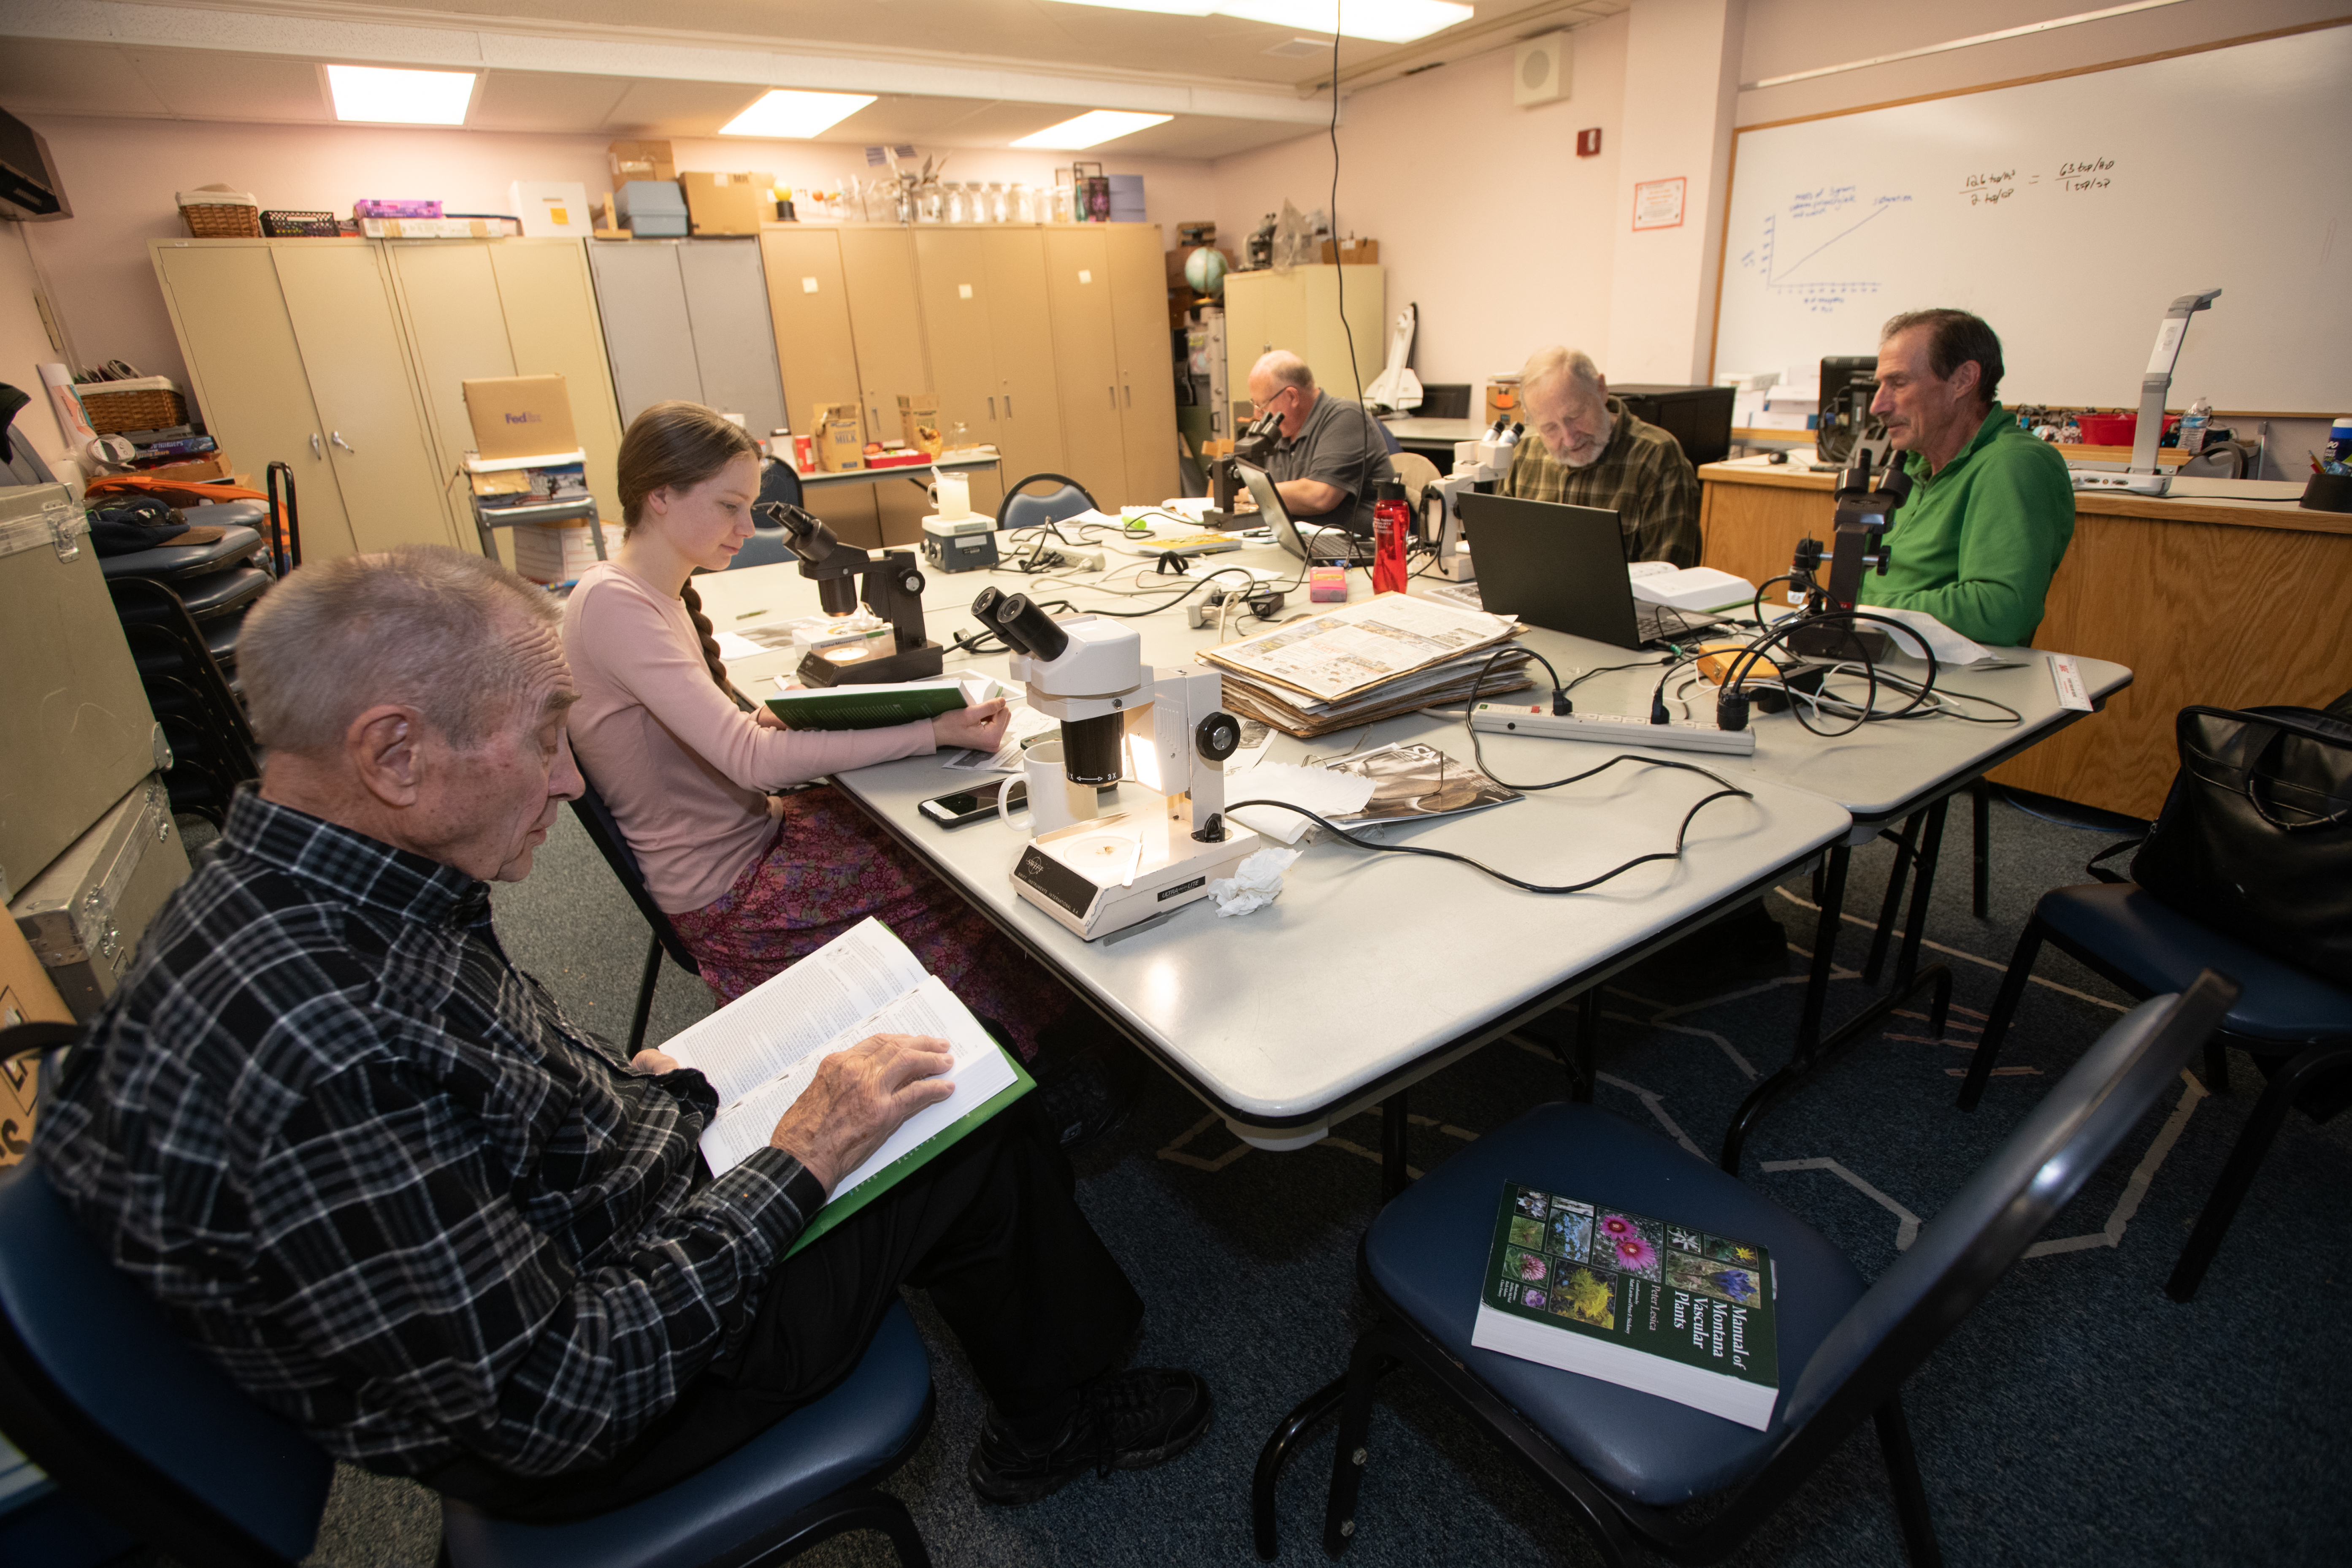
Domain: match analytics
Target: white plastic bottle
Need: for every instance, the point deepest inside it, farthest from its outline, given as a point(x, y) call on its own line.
point(2194, 424)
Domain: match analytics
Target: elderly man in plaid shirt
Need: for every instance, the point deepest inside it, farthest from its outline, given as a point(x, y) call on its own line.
point(1591, 451)
point(372, 1169)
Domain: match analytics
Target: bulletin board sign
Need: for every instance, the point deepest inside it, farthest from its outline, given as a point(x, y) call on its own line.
point(1658, 204)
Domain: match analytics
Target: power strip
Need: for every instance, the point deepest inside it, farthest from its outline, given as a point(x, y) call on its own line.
point(1610, 729)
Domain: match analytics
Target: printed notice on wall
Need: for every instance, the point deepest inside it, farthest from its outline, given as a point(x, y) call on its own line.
point(1658, 204)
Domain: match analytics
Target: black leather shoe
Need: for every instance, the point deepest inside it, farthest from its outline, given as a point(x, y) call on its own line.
point(1085, 1090)
point(1125, 1421)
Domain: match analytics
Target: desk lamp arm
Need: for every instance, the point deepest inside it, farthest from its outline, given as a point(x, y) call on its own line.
point(2156, 382)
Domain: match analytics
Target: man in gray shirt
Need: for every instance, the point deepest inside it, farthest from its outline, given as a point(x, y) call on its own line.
point(1330, 455)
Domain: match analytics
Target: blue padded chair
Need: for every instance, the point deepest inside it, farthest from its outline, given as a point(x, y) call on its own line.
point(1626, 1460)
point(2297, 1024)
point(1021, 509)
point(604, 831)
point(148, 1435)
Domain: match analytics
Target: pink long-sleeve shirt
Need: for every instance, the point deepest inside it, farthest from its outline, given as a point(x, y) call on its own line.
point(684, 769)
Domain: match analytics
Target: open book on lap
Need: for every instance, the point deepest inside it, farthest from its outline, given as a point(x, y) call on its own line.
point(761, 1051)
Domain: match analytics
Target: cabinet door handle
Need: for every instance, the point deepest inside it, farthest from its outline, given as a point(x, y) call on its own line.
point(992, 405)
point(1131, 395)
point(1114, 397)
point(1008, 406)
point(335, 437)
point(317, 449)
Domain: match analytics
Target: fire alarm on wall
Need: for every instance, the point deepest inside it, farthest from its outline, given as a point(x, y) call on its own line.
point(1587, 142)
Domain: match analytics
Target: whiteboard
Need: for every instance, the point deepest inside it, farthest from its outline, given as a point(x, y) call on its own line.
point(2069, 213)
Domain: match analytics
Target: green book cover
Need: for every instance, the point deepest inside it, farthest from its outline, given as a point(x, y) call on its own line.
point(870, 707)
point(841, 1207)
point(1641, 1302)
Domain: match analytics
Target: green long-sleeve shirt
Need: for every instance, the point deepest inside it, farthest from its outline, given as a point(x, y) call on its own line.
point(1976, 545)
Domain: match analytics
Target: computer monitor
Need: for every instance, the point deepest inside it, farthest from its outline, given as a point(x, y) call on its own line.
point(1699, 417)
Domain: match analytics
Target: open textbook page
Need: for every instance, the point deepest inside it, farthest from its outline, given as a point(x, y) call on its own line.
point(761, 1051)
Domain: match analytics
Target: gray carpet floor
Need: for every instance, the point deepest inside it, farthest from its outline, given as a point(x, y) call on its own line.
point(2078, 1417)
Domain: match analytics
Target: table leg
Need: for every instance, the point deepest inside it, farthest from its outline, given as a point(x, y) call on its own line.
point(1829, 894)
point(1922, 879)
point(1906, 845)
point(1982, 793)
point(1393, 1126)
point(1287, 1436)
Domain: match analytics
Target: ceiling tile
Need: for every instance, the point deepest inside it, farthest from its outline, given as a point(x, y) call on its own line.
point(546, 101)
point(208, 86)
point(680, 108)
point(37, 77)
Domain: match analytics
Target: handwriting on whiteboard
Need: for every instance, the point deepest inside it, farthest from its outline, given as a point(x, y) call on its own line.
point(1994, 188)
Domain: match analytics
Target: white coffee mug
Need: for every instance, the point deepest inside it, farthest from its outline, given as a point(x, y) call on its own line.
point(951, 497)
point(1054, 801)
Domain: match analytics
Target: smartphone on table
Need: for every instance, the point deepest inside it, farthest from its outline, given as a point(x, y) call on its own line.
point(960, 808)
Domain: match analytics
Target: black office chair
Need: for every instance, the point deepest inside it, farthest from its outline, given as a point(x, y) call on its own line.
point(213, 747)
point(604, 831)
point(1019, 510)
point(150, 1435)
point(779, 481)
point(1628, 1462)
point(2297, 1027)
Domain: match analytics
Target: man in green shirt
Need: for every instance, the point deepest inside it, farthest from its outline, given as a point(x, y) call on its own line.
point(1992, 509)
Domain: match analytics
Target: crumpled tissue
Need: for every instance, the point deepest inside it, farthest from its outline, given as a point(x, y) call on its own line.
point(1255, 882)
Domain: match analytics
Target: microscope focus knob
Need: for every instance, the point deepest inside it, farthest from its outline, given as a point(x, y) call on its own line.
point(911, 583)
point(1218, 736)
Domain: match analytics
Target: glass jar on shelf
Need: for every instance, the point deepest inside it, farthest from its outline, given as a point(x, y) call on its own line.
point(1000, 203)
point(930, 207)
point(1024, 204)
point(954, 190)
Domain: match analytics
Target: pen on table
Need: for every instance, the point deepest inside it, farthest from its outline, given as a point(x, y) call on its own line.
point(749, 614)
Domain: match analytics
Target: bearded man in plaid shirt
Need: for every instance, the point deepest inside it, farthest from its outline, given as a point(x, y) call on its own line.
point(1589, 450)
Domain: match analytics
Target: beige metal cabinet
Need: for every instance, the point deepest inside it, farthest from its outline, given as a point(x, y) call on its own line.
point(952, 283)
point(808, 309)
point(554, 328)
point(1021, 334)
point(886, 319)
point(1085, 361)
point(245, 370)
point(1147, 385)
point(496, 308)
point(1298, 309)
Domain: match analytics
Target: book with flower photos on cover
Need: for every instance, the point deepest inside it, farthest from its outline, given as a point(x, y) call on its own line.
point(1640, 1302)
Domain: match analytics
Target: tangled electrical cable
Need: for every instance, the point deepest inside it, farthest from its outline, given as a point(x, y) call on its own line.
point(1724, 789)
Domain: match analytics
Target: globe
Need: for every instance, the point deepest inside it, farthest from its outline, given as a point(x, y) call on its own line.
point(1205, 271)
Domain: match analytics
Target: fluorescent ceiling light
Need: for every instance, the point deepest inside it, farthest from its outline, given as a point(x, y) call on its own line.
point(1091, 128)
point(796, 115)
point(400, 96)
point(1386, 21)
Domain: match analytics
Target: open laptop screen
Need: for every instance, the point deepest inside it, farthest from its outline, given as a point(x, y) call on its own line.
point(1319, 543)
point(1560, 567)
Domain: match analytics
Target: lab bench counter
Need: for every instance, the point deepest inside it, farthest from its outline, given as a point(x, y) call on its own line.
point(2226, 601)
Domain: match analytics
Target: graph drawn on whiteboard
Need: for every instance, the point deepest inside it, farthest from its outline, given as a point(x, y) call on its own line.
point(1808, 251)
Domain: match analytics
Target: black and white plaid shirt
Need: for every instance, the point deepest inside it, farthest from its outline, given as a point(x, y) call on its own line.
point(372, 1170)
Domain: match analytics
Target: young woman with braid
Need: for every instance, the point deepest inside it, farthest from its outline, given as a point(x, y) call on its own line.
point(753, 882)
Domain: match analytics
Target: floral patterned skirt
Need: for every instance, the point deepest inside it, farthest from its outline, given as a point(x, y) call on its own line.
point(829, 865)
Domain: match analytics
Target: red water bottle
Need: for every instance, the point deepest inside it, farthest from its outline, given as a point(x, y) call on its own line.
point(1392, 530)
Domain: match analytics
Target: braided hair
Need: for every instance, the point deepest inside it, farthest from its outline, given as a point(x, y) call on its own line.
point(677, 445)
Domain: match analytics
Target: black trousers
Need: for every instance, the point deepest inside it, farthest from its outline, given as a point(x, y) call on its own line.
point(992, 1228)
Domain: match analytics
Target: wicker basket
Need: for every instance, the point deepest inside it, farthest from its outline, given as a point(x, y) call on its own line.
point(299, 225)
point(223, 220)
point(139, 409)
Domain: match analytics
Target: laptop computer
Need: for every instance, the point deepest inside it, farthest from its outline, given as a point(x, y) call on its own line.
point(1320, 543)
point(1563, 568)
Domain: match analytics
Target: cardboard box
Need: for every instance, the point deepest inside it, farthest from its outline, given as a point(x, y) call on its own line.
point(520, 415)
point(727, 204)
point(828, 411)
point(1503, 400)
point(85, 914)
point(27, 996)
point(919, 420)
point(75, 728)
point(641, 161)
point(839, 446)
point(552, 209)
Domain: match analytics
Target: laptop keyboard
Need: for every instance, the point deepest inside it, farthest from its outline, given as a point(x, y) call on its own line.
point(1658, 623)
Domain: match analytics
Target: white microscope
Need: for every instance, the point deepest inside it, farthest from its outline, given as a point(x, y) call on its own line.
point(1478, 464)
point(1161, 730)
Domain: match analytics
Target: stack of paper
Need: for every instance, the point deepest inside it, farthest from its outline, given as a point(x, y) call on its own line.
point(1361, 662)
